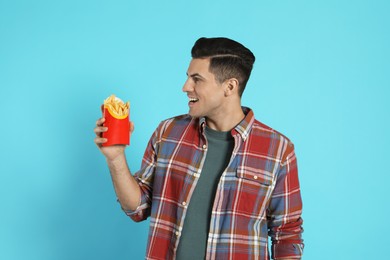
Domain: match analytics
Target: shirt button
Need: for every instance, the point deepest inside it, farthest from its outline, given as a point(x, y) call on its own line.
point(255, 177)
point(183, 203)
point(204, 146)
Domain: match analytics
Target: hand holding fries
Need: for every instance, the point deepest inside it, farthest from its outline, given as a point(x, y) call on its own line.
point(110, 152)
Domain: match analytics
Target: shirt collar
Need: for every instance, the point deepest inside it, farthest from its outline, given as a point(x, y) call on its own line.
point(243, 128)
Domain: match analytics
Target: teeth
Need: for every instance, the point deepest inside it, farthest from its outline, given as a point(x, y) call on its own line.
point(193, 99)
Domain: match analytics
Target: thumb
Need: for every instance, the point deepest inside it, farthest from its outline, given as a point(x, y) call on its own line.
point(131, 127)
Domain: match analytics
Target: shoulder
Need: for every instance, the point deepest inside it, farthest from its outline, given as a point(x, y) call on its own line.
point(178, 121)
point(261, 128)
point(282, 145)
point(252, 126)
point(185, 118)
point(177, 124)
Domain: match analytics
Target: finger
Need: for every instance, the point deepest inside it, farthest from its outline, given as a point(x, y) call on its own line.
point(100, 121)
point(100, 129)
point(100, 140)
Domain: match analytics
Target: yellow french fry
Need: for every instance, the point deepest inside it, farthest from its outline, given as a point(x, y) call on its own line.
point(117, 107)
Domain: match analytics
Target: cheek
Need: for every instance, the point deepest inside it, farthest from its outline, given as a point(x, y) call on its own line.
point(216, 96)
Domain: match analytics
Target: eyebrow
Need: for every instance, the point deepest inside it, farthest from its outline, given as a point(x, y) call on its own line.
point(195, 75)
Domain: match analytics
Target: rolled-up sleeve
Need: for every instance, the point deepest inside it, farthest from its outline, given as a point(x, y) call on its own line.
point(285, 210)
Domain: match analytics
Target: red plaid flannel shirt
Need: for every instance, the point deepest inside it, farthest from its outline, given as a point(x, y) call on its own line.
point(258, 194)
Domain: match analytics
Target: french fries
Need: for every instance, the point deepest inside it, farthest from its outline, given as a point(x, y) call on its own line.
point(117, 107)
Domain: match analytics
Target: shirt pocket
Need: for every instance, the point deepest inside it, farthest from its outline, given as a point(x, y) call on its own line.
point(254, 175)
point(253, 189)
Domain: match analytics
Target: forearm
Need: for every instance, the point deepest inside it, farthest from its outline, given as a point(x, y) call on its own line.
point(125, 185)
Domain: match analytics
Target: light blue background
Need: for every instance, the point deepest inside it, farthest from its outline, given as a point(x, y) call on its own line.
point(321, 77)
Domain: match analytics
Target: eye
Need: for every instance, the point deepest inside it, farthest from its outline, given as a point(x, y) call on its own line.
point(195, 79)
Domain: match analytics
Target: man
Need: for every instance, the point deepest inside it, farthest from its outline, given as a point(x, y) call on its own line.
point(215, 182)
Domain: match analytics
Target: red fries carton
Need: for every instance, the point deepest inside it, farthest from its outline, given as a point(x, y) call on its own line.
point(116, 113)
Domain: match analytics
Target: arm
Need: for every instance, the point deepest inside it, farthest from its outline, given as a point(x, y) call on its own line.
point(126, 187)
point(285, 209)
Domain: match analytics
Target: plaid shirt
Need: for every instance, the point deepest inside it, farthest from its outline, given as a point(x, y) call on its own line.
point(258, 194)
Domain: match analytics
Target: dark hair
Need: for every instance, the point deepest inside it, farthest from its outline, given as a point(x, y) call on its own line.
point(228, 59)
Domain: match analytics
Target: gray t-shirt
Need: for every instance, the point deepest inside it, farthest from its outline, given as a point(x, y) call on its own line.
point(193, 240)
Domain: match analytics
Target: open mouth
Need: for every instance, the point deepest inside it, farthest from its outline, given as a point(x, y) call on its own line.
point(193, 100)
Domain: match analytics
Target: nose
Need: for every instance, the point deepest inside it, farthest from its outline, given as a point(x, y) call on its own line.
point(187, 87)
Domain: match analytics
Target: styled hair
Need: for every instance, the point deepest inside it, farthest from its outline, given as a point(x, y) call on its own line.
point(228, 59)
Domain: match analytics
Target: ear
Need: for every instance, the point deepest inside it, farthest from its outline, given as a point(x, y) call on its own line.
point(231, 87)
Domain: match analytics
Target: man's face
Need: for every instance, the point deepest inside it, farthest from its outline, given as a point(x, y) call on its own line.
point(205, 94)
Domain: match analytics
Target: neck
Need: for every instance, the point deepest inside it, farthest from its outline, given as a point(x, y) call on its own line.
point(226, 121)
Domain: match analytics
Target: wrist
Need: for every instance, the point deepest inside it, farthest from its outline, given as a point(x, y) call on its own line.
point(118, 163)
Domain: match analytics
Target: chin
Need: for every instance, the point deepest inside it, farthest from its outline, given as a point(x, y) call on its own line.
point(194, 115)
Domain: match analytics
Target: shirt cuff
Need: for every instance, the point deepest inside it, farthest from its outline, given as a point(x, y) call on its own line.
point(287, 251)
point(136, 211)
